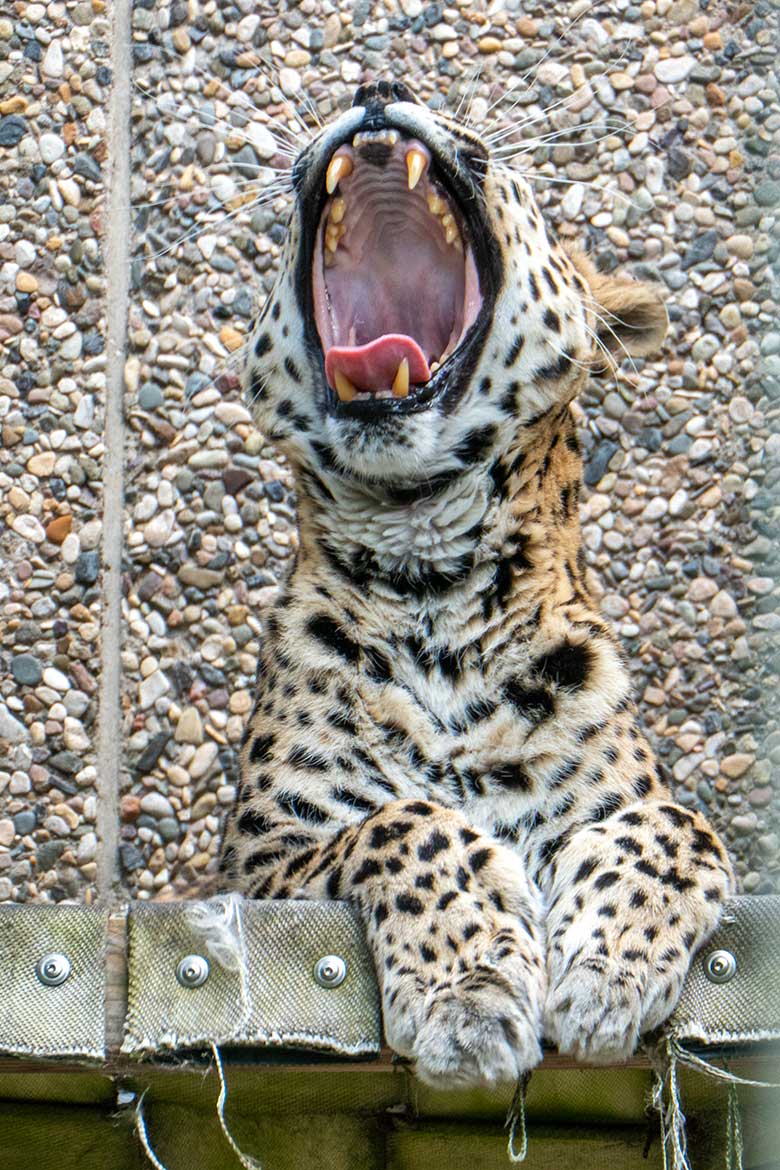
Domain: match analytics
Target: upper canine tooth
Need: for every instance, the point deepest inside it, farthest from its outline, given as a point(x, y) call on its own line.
point(344, 388)
point(338, 168)
point(416, 162)
point(401, 380)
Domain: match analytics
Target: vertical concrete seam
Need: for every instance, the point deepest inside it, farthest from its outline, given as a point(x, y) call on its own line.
point(117, 268)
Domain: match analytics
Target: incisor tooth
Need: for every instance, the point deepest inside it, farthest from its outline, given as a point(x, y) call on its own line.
point(401, 380)
point(344, 388)
point(338, 168)
point(416, 163)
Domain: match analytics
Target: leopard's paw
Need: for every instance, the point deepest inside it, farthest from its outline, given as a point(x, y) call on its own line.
point(480, 1030)
point(593, 1013)
point(597, 1009)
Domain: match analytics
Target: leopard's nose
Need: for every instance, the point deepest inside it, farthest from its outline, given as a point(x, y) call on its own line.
point(375, 95)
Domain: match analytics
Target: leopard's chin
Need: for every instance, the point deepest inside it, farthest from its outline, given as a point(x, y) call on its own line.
point(397, 277)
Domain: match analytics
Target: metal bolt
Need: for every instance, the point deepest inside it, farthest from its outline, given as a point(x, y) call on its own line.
point(192, 971)
point(720, 966)
point(330, 971)
point(53, 969)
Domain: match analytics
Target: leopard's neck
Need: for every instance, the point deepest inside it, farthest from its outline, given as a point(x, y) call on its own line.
point(498, 540)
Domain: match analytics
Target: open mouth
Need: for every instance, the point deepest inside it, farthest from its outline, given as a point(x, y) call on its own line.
point(395, 284)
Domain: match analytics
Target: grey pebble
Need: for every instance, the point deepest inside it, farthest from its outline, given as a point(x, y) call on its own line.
point(26, 669)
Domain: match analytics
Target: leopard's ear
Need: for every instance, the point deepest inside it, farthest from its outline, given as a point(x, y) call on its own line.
point(631, 316)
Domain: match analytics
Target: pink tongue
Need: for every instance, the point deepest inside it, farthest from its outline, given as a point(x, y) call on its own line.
point(374, 366)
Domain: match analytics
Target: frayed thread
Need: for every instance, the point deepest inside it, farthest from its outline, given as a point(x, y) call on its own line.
point(733, 1132)
point(246, 1161)
point(693, 1061)
point(219, 923)
point(143, 1137)
point(515, 1120)
point(666, 1101)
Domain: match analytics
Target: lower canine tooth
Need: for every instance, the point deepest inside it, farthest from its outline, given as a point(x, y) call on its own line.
point(401, 380)
point(344, 388)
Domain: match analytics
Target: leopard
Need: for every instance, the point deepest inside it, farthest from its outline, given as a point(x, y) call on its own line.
point(443, 732)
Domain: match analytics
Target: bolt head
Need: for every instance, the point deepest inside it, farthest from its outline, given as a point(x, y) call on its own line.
point(330, 971)
point(53, 969)
point(720, 966)
point(192, 971)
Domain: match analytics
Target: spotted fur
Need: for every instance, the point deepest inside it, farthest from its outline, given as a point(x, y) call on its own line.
point(443, 731)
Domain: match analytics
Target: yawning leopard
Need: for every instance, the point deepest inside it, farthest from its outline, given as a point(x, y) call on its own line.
point(443, 732)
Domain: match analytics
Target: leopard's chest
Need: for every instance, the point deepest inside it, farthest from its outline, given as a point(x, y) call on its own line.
point(446, 722)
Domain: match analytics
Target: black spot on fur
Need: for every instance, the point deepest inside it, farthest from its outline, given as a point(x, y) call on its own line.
point(418, 808)
point(292, 370)
point(383, 835)
point(480, 709)
point(677, 816)
point(514, 351)
point(534, 703)
point(479, 859)
point(567, 665)
point(254, 823)
point(564, 773)
point(472, 447)
point(330, 634)
point(643, 785)
point(353, 799)
point(378, 665)
point(298, 863)
point(260, 859)
point(302, 757)
point(512, 776)
point(435, 844)
point(369, 868)
point(261, 749)
point(302, 809)
point(586, 869)
point(409, 904)
point(263, 344)
point(630, 845)
point(556, 369)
